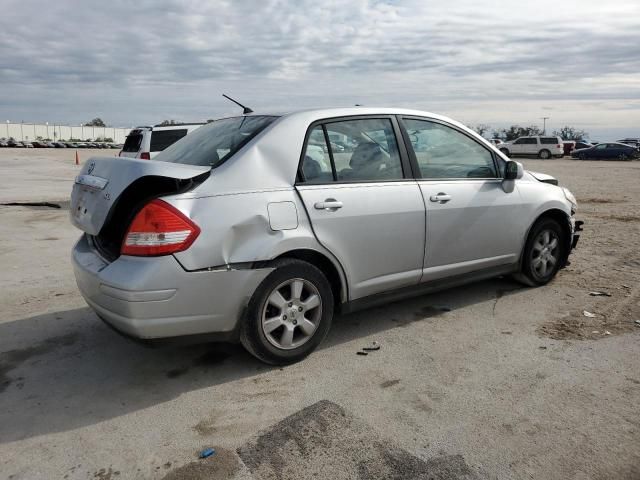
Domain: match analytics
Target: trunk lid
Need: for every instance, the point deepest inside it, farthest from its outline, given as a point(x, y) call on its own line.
point(102, 180)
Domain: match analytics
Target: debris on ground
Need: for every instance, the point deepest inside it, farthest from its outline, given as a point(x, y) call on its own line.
point(589, 314)
point(599, 294)
point(607, 332)
point(637, 322)
point(506, 332)
point(30, 204)
point(374, 347)
point(361, 353)
point(207, 452)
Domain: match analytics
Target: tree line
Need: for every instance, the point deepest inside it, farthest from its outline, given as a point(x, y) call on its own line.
point(515, 131)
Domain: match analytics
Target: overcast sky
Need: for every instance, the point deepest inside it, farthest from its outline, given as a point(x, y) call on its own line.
point(494, 62)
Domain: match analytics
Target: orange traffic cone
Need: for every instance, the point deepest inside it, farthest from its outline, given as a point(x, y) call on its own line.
point(77, 159)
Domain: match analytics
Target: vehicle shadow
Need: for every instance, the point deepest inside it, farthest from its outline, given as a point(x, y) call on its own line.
point(65, 370)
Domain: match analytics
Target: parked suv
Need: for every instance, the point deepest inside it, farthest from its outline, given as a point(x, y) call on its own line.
point(257, 229)
point(146, 142)
point(540, 146)
point(634, 142)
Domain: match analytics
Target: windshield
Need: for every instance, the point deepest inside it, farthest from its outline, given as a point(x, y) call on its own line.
point(214, 143)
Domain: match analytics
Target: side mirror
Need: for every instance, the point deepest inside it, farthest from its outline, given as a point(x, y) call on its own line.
point(511, 170)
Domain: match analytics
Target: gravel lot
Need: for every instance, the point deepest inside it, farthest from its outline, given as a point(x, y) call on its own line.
point(487, 381)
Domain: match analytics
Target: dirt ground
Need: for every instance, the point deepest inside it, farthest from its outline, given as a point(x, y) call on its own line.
point(491, 380)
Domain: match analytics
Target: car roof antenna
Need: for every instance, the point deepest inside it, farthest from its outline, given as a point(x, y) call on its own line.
point(245, 110)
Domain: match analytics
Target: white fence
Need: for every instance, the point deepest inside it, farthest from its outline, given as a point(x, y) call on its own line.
point(31, 132)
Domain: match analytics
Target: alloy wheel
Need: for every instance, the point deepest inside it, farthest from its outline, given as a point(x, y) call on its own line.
point(291, 314)
point(545, 253)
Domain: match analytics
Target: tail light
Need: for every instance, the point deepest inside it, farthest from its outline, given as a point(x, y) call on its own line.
point(145, 156)
point(159, 229)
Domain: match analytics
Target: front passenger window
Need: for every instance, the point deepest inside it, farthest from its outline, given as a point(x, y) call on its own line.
point(443, 152)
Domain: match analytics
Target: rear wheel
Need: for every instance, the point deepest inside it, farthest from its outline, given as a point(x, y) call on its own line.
point(543, 253)
point(289, 314)
point(544, 154)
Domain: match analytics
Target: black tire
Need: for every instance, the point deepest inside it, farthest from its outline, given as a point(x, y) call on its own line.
point(530, 273)
point(544, 154)
point(252, 334)
point(623, 157)
point(582, 156)
point(505, 151)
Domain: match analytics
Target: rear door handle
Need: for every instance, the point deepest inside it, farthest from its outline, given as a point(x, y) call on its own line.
point(330, 204)
point(440, 198)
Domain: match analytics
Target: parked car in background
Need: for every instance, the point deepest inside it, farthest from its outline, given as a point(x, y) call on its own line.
point(568, 146)
point(582, 144)
point(541, 146)
point(607, 151)
point(240, 230)
point(496, 141)
point(38, 144)
point(3, 144)
point(60, 144)
point(147, 142)
point(634, 142)
point(15, 144)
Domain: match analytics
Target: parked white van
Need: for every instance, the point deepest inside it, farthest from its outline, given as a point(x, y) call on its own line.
point(541, 146)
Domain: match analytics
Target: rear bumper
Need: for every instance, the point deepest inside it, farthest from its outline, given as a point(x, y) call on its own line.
point(154, 297)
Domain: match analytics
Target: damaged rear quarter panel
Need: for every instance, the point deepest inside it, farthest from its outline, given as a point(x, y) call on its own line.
point(236, 229)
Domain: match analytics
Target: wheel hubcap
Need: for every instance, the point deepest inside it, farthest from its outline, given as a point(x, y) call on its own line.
point(545, 253)
point(291, 314)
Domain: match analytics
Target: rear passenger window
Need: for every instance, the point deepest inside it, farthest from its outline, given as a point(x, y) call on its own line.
point(365, 150)
point(357, 151)
point(443, 152)
point(162, 139)
point(133, 141)
point(549, 140)
point(316, 164)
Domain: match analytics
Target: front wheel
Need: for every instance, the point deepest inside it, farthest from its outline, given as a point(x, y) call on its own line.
point(623, 157)
point(543, 253)
point(289, 314)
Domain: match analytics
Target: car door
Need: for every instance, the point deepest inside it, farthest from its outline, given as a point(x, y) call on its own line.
point(600, 151)
point(472, 222)
point(363, 203)
point(517, 147)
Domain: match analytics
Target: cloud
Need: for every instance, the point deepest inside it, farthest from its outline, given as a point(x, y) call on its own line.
point(485, 61)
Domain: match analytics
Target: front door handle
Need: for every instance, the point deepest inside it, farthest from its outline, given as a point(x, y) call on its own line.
point(440, 198)
point(330, 204)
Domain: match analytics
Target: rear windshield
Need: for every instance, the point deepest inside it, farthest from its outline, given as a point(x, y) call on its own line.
point(161, 139)
point(214, 143)
point(549, 140)
point(133, 141)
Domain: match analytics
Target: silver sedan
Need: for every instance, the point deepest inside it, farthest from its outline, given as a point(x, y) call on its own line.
point(260, 228)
